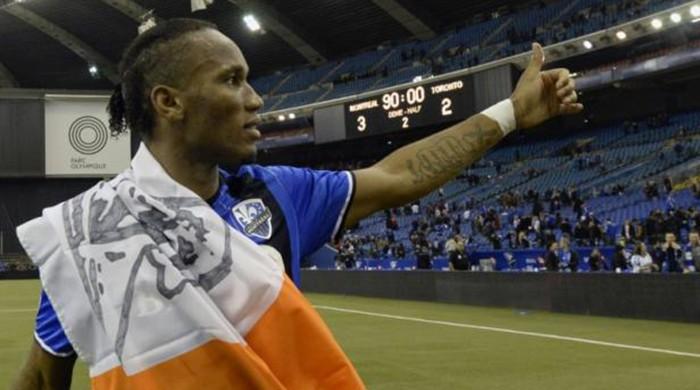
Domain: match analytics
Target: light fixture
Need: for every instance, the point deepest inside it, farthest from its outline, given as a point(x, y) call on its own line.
point(621, 35)
point(695, 11)
point(291, 115)
point(252, 23)
point(587, 44)
point(657, 23)
point(93, 70)
point(676, 17)
point(281, 117)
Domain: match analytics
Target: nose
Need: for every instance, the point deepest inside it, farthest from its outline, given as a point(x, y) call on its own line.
point(253, 101)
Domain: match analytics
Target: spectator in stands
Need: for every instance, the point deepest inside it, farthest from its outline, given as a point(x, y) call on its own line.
point(596, 261)
point(610, 229)
point(347, 256)
point(400, 252)
point(436, 247)
point(522, 241)
point(638, 229)
point(672, 222)
point(456, 254)
point(566, 198)
point(391, 221)
point(641, 260)
point(671, 254)
point(415, 208)
point(695, 216)
point(654, 226)
point(620, 256)
point(551, 259)
point(422, 250)
point(569, 258)
point(581, 233)
point(536, 225)
point(651, 190)
point(537, 207)
point(595, 232)
point(627, 231)
point(565, 227)
point(657, 256)
point(692, 251)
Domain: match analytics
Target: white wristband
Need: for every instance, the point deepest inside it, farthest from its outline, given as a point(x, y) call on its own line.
point(504, 114)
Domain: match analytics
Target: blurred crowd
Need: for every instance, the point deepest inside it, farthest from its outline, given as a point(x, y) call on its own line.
point(663, 241)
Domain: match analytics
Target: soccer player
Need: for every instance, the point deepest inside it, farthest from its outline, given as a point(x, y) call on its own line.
point(184, 91)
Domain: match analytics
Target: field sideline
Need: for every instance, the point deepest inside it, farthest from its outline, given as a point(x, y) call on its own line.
point(418, 345)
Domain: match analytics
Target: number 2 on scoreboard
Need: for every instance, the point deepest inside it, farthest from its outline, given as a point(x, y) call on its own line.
point(404, 121)
point(446, 107)
point(361, 123)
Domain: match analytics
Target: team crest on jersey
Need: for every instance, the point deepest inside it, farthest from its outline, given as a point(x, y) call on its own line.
point(255, 217)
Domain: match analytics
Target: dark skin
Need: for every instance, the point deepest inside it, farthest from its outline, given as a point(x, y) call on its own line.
point(209, 118)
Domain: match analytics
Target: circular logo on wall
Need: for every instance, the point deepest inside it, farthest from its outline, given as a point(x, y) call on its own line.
point(88, 135)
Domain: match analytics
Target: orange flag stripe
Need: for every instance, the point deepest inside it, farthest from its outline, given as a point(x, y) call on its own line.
point(290, 347)
point(215, 365)
point(299, 348)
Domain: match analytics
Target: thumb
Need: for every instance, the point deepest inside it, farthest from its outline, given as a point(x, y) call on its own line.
point(536, 61)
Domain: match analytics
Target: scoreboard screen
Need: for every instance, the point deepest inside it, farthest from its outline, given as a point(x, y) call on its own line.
point(417, 106)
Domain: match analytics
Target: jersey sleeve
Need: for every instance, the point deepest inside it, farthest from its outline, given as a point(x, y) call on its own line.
point(48, 331)
point(321, 200)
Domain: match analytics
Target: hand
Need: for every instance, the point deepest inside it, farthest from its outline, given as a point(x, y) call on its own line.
point(541, 95)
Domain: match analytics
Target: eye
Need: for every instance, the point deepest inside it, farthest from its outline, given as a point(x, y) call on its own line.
point(235, 79)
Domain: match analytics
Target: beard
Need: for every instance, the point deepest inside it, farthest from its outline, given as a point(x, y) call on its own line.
point(231, 166)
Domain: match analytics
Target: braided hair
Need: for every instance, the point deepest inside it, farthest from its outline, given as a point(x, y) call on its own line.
point(151, 59)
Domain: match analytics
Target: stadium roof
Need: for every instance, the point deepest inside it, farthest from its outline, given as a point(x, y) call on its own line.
point(50, 44)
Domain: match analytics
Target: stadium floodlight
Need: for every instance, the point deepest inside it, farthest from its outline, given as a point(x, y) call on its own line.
point(676, 17)
point(657, 23)
point(281, 117)
point(621, 35)
point(587, 44)
point(291, 115)
point(252, 23)
point(417, 78)
point(93, 70)
point(695, 11)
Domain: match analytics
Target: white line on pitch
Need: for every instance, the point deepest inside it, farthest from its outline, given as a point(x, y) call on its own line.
point(511, 331)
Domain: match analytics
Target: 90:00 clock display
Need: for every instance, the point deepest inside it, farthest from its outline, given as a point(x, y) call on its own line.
point(418, 106)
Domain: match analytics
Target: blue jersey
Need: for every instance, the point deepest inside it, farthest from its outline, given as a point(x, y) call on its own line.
point(293, 210)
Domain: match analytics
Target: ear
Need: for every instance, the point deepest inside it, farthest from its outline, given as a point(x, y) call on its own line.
point(167, 103)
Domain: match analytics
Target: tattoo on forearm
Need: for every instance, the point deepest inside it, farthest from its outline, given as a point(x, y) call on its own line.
point(449, 154)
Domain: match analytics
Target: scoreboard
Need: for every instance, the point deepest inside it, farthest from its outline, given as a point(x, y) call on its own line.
point(413, 107)
point(431, 103)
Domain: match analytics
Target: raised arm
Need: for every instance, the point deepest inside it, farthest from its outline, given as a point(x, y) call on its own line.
point(43, 371)
point(419, 168)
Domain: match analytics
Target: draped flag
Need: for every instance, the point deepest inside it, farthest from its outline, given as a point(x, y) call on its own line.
point(155, 291)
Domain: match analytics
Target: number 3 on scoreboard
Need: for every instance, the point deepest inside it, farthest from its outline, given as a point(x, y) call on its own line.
point(361, 123)
point(446, 107)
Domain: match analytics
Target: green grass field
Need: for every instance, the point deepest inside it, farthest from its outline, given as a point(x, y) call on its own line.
point(403, 353)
